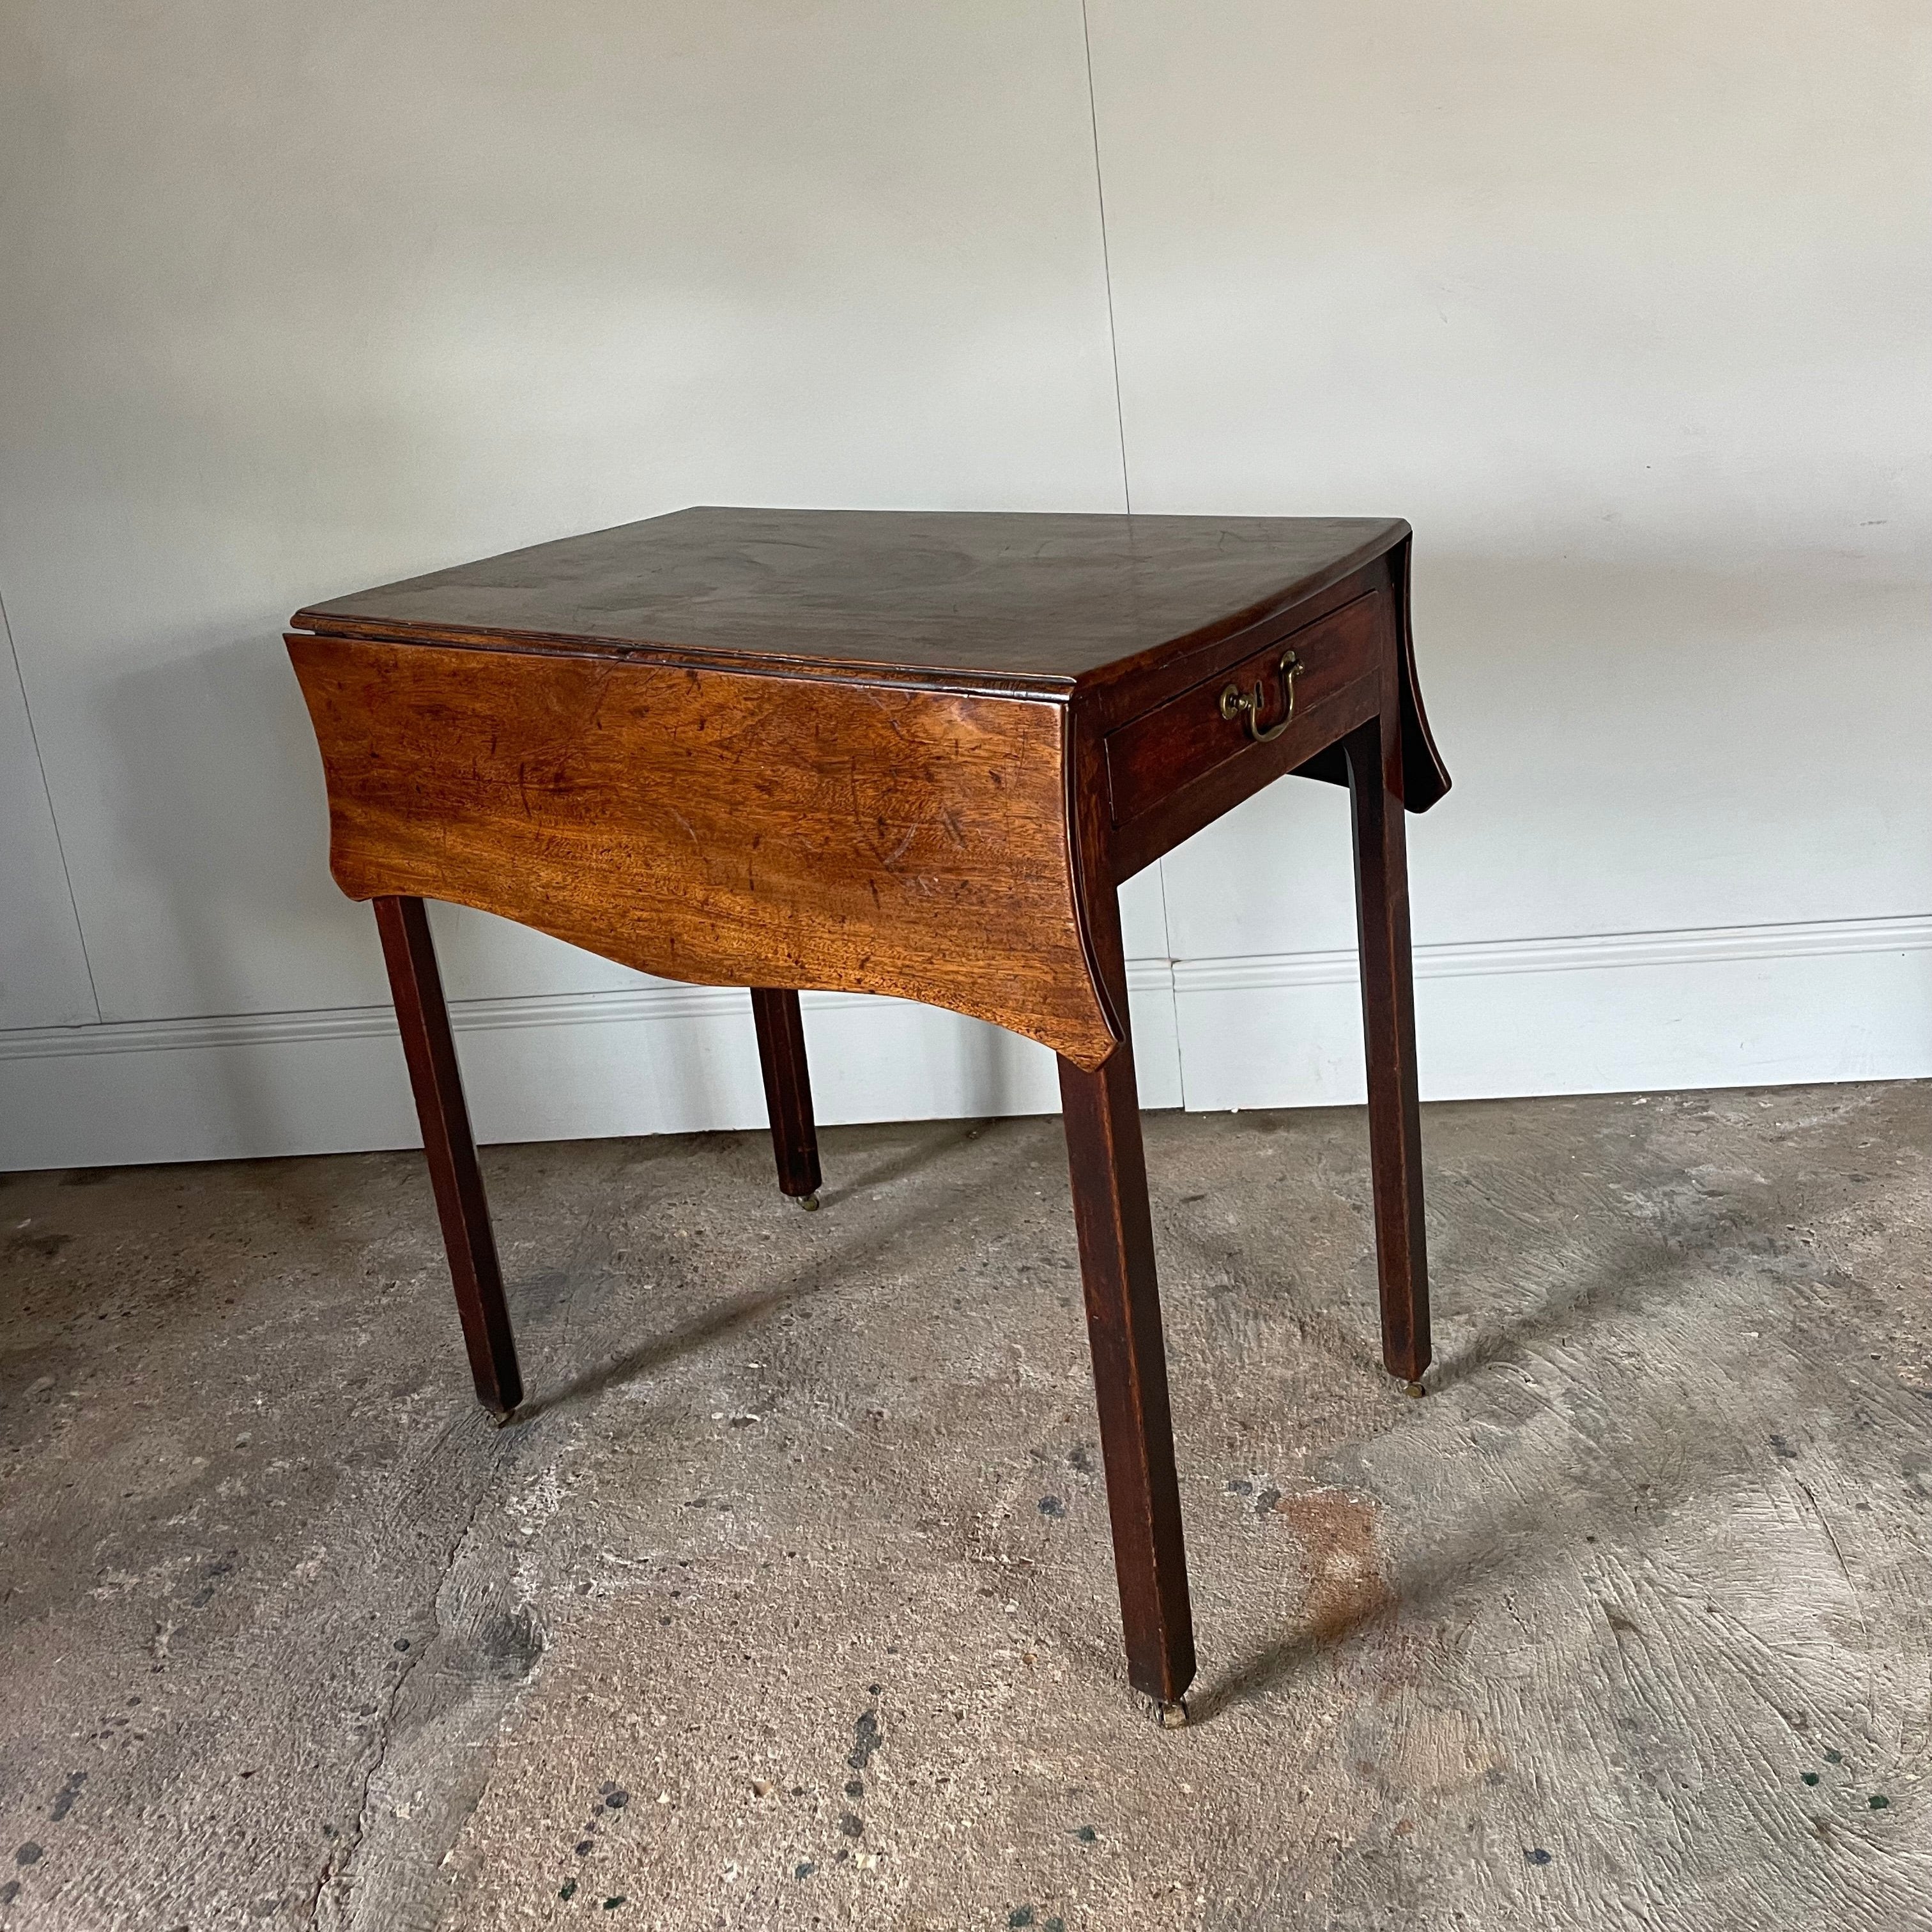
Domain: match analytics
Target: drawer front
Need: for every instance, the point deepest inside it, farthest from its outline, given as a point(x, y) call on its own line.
point(1218, 721)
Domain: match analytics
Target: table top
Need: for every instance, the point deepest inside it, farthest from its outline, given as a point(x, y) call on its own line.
point(877, 752)
point(1035, 599)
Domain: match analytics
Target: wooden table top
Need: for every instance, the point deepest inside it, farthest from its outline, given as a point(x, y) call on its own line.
point(1042, 601)
point(875, 752)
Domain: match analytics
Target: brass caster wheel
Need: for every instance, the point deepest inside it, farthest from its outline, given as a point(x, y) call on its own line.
point(1414, 1389)
point(1172, 1717)
point(809, 1202)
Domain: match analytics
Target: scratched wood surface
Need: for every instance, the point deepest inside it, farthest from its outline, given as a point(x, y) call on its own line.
point(719, 827)
point(1050, 598)
point(1119, 611)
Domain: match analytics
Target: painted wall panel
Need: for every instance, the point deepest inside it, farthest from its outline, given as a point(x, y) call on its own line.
point(1624, 309)
point(44, 978)
point(650, 1060)
point(301, 299)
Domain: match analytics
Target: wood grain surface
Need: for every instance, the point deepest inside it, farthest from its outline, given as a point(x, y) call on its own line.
point(1157, 754)
point(462, 1206)
point(788, 1077)
point(1118, 614)
point(720, 827)
point(904, 755)
point(1048, 599)
point(1374, 754)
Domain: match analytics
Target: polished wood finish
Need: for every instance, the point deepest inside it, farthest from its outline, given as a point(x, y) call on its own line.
point(1188, 739)
point(461, 1205)
point(1374, 753)
point(1124, 610)
point(905, 753)
point(1115, 1229)
point(1047, 600)
point(781, 1027)
point(726, 828)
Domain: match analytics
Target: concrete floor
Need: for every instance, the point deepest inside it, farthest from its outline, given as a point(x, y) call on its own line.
point(790, 1602)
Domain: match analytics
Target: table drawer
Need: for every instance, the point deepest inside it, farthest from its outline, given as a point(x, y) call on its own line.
point(1205, 728)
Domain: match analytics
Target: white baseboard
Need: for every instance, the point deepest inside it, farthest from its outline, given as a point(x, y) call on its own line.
point(655, 1060)
point(1623, 1012)
point(1769, 1004)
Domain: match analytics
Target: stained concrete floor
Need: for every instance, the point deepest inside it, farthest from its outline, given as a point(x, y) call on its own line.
point(789, 1603)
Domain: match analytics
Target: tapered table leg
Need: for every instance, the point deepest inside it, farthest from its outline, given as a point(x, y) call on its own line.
point(461, 1202)
point(1388, 1022)
point(1117, 1268)
point(787, 1091)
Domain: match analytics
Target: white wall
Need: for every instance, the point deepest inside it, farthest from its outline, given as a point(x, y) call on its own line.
point(43, 979)
point(1622, 308)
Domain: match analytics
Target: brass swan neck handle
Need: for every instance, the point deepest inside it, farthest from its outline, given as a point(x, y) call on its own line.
point(1236, 702)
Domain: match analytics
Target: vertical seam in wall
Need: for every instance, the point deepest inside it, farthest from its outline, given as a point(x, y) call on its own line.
point(1126, 487)
point(1173, 991)
point(67, 873)
point(1106, 262)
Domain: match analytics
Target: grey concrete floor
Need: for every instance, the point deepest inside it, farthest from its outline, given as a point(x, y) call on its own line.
point(789, 1603)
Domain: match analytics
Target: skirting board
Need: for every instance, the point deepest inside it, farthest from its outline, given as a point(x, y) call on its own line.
point(1626, 1012)
point(1734, 1006)
point(658, 1059)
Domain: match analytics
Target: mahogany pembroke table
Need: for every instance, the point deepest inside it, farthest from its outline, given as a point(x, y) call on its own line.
point(897, 753)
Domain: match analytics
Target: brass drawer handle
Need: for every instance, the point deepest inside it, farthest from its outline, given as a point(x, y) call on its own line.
point(1236, 702)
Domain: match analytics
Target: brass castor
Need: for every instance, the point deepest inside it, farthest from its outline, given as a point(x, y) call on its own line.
point(1414, 1389)
point(809, 1202)
point(1172, 1717)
